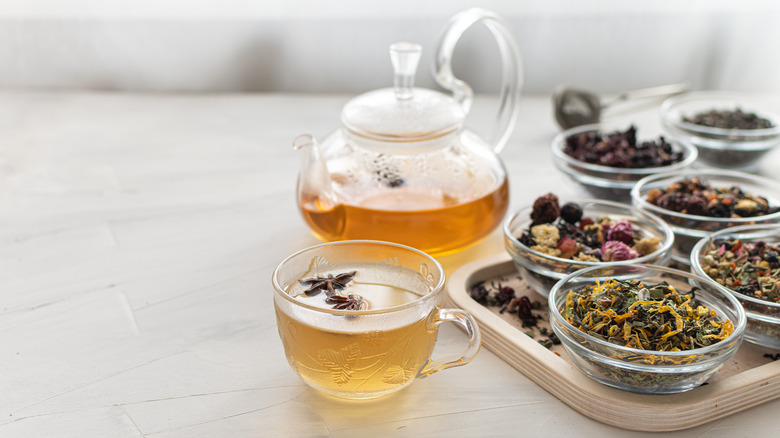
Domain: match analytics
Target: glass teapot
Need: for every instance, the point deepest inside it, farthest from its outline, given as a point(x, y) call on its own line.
point(402, 168)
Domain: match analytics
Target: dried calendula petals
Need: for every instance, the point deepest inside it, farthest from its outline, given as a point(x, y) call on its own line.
point(647, 317)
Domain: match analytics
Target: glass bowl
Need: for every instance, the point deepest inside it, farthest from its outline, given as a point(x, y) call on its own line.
point(737, 149)
point(763, 317)
point(688, 228)
point(607, 182)
point(541, 271)
point(646, 371)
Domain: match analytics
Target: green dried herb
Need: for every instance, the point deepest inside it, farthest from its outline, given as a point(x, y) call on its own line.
point(752, 269)
point(647, 317)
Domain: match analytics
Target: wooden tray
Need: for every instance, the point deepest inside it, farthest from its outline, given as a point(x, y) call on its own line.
point(747, 380)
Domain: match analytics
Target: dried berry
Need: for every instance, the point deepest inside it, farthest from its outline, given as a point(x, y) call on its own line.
point(683, 202)
point(545, 209)
point(571, 212)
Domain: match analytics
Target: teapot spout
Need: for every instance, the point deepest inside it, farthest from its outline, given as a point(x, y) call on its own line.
point(315, 190)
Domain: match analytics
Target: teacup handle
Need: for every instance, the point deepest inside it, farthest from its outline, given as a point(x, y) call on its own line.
point(511, 77)
point(465, 320)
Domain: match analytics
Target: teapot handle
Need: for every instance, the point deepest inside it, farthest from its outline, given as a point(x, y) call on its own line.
point(511, 77)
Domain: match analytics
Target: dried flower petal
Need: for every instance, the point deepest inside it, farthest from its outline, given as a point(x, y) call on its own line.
point(615, 251)
point(622, 231)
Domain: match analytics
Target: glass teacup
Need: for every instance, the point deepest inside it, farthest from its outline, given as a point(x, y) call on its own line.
point(359, 319)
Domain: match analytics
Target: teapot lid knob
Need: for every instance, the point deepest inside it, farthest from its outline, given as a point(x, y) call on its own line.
point(403, 114)
point(405, 58)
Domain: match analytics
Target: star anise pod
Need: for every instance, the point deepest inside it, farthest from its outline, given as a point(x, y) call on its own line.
point(329, 283)
point(340, 302)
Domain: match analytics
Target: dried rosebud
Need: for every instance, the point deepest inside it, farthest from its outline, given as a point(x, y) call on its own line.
point(571, 212)
point(545, 210)
point(568, 247)
point(615, 251)
point(622, 231)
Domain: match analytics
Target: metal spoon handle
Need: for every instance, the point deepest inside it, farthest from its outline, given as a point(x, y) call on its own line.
point(663, 90)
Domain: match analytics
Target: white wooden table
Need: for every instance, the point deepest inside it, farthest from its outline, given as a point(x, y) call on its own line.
point(138, 234)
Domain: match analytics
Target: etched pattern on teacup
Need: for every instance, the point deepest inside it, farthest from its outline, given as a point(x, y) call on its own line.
point(317, 266)
point(397, 374)
point(340, 363)
point(426, 276)
point(374, 337)
point(392, 261)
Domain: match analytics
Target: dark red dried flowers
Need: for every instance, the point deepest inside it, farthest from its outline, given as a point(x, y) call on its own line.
point(620, 149)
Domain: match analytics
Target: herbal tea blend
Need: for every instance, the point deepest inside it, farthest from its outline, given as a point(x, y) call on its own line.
point(620, 149)
point(696, 197)
point(752, 269)
point(564, 232)
point(647, 317)
point(729, 119)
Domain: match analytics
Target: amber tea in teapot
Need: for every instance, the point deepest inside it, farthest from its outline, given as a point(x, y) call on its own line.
point(403, 168)
point(436, 223)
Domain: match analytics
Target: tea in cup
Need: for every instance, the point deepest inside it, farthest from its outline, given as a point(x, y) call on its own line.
point(359, 319)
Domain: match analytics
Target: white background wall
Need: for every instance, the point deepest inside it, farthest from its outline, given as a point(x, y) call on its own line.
point(341, 45)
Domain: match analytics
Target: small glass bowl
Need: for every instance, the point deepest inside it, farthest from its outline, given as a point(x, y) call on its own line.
point(542, 271)
point(607, 182)
point(736, 149)
point(763, 317)
point(688, 228)
point(646, 371)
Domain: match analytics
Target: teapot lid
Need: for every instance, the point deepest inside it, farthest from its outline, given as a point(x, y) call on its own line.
point(403, 113)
